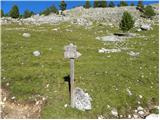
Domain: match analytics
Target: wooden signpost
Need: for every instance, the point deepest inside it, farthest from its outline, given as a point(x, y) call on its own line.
point(71, 53)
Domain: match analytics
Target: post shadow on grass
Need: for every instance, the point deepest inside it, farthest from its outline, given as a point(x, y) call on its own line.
point(67, 79)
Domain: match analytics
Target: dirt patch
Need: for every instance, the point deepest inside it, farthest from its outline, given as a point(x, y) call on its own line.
point(18, 110)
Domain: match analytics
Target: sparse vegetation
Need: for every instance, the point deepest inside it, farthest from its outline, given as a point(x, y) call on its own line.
point(123, 3)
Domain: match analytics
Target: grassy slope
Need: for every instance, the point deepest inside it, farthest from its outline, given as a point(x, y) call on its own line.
point(99, 74)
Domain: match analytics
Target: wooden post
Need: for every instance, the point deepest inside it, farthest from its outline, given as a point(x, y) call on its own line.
point(72, 81)
point(71, 53)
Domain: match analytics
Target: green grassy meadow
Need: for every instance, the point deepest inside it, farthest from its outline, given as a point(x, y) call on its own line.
point(105, 76)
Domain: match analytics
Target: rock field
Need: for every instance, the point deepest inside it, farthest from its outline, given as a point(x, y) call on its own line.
point(85, 17)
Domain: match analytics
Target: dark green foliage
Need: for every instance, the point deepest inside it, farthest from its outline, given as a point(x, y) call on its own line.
point(123, 3)
point(103, 4)
point(2, 13)
point(96, 4)
point(14, 12)
point(149, 11)
point(6, 15)
point(111, 4)
point(87, 4)
point(63, 5)
point(27, 13)
point(140, 4)
point(127, 22)
point(132, 4)
point(51, 9)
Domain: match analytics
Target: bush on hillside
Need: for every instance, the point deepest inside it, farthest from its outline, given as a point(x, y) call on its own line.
point(127, 22)
point(27, 13)
point(149, 12)
point(111, 4)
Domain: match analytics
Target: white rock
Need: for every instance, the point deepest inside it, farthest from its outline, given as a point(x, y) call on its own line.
point(65, 105)
point(26, 35)
point(141, 112)
point(153, 117)
point(55, 29)
point(100, 117)
point(108, 106)
point(36, 53)
point(134, 54)
point(7, 84)
point(13, 97)
point(82, 100)
point(129, 116)
point(135, 116)
point(139, 30)
point(114, 112)
point(140, 96)
point(140, 108)
point(129, 92)
point(146, 27)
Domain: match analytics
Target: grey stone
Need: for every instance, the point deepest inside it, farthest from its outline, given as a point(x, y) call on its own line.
point(146, 27)
point(153, 117)
point(82, 100)
point(26, 35)
point(36, 53)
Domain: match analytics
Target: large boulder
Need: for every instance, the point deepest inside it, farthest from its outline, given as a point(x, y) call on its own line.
point(146, 27)
point(82, 100)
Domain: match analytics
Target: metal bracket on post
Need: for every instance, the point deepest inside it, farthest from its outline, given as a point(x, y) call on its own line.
point(71, 53)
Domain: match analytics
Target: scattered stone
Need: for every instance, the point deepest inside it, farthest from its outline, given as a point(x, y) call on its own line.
point(112, 38)
point(36, 53)
point(114, 112)
point(129, 92)
point(108, 106)
point(13, 97)
point(153, 117)
point(129, 116)
point(146, 27)
point(98, 38)
point(100, 117)
point(7, 84)
point(82, 100)
point(65, 105)
point(135, 116)
point(140, 96)
point(139, 30)
point(103, 50)
point(134, 54)
point(55, 29)
point(140, 108)
point(26, 35)
point(141, 113)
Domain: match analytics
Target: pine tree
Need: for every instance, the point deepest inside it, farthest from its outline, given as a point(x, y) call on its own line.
point(140, 4)
point(63, 5)
point(132, 4)
point(149, 11)
point(127, 22)
point(103, 4)
point(27, 13)
point(96, 4)
point(51, 9)
point(87, 4)
point(111, 4)
point(14, 12)
point(2, 13)
point(123, 3)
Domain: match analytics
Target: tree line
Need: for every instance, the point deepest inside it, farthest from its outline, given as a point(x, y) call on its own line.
point(14, 12)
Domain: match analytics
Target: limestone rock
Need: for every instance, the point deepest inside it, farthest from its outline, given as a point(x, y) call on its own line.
point(36, 53)
point(82, 100)
point(26, 35)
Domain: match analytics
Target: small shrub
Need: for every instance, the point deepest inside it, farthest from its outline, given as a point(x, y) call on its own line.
point(14, 12)
point(123, 3)
point(149, 11)
point(127, 22)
